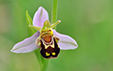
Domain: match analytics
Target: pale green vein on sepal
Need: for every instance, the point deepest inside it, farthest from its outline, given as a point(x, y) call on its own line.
point(69, 43)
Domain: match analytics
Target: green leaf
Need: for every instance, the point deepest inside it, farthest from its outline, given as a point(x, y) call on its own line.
point(29, 21)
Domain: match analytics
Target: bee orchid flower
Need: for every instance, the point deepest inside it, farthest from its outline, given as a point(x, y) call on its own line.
point(47, 39)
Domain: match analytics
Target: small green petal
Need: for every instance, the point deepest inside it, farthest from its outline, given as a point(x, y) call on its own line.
point(54, 25)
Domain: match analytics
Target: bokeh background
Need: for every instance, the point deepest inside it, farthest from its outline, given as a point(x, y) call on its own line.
point(89, 22)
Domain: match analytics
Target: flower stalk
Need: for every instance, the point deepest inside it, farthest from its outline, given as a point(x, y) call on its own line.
point(53, 20)
point(54, 11)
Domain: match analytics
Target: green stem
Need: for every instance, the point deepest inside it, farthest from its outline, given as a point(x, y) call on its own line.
point(54, 11)
point(43, 62)
point(44, 67)
point(37, 53)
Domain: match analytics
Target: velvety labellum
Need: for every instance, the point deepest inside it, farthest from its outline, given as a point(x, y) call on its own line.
point(49, 51)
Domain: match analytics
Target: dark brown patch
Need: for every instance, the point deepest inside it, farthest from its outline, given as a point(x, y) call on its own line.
point(50, 50)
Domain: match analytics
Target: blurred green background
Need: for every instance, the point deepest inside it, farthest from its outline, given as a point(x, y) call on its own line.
point(89, 22)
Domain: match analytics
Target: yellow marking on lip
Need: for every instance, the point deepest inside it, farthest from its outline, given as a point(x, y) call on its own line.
point(47, 54)
point(53, 53)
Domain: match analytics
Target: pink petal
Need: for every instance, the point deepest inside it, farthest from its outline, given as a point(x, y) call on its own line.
point(26, 45)
point(40, 17)
point(65, 42)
